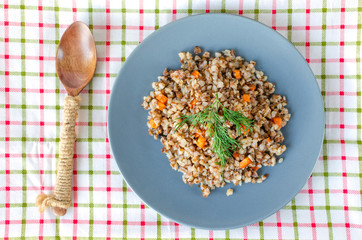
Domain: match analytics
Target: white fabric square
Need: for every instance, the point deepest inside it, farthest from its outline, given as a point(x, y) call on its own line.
point(266, 19)
point(315, 18)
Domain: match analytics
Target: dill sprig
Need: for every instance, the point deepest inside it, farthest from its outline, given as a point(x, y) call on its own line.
point(222, 143)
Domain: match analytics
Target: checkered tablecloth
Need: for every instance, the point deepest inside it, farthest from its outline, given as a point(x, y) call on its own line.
point(326, 32)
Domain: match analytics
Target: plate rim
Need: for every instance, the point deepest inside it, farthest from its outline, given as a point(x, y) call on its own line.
point(315, 83)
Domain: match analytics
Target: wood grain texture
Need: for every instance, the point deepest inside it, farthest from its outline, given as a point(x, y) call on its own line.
point(76, 58)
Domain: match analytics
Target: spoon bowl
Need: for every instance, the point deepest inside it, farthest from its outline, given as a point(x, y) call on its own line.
point(76, 58)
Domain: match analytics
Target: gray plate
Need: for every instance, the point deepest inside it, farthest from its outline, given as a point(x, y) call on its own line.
point(139, 156)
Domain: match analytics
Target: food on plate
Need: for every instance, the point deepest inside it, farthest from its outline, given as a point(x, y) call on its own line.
point(218, 119)
point(229, 192)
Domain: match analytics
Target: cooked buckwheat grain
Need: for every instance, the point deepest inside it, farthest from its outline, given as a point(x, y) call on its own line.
point(191, 89)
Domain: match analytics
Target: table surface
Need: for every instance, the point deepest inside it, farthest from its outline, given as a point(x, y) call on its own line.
point(327, 33)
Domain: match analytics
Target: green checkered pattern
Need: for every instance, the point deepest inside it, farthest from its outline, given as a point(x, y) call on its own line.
point(326, 32)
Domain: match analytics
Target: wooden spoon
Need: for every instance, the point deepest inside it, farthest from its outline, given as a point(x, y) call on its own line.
point(75, 64)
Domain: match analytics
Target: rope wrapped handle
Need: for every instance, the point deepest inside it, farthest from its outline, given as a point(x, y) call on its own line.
point(61, 198)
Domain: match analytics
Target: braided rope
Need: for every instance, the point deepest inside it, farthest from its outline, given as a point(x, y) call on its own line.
point(62, 195)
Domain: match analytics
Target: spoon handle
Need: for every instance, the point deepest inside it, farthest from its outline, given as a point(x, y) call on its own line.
point(61, 198)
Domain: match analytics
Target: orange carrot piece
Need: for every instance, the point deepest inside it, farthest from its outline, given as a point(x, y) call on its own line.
point(246, 98)
point(255, 168)
point(236, 155)
point(245, 129)
point(252, 87)
point(237, 74)
point(278, 121)
point(245, 162)
point(195, 74)
point(193, 103)
point(268, 139)
point(160, 105)
point(162, 98)
point(152, 123)
point(201, 141)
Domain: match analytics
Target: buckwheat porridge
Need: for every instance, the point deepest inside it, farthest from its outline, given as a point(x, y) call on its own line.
point(218, 119)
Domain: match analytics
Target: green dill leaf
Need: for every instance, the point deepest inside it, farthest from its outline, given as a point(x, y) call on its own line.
point(222, 143)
